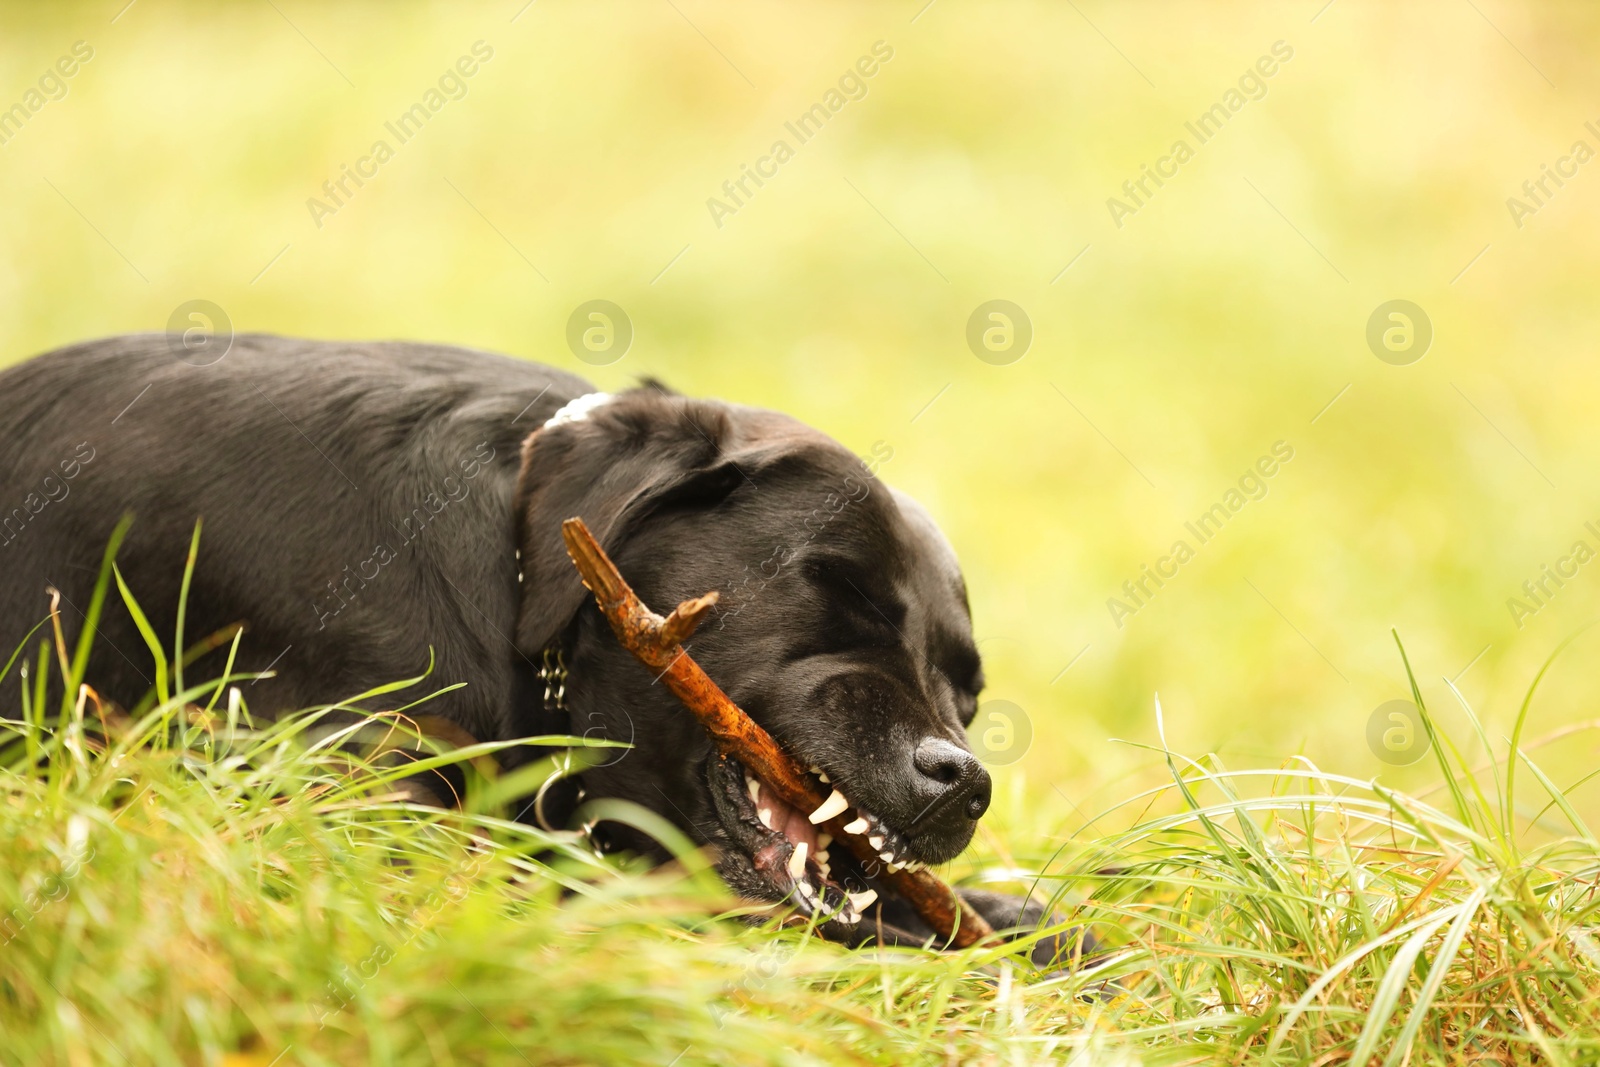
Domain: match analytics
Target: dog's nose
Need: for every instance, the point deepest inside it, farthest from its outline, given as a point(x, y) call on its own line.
point(961, 780)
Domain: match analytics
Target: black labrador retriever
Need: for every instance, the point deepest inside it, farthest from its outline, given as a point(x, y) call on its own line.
point(365, 503)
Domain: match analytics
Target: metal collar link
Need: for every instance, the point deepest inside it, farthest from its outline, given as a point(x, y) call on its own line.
point(562, 772)
point(553, 673)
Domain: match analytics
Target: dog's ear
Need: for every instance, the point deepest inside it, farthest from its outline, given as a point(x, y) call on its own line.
point(611, 466)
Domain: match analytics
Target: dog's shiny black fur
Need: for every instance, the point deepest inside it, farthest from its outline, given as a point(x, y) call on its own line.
point(364, 503)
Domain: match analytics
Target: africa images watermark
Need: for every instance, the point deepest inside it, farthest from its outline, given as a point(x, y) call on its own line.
point(999, 332)
point(852, 85)
point(599, 332)
point(760, 969)
point(1396, 733)
point(1000, 732)
point(1565, 167)
point(344, 988)
point(53, 488)
point(1252, 485)
point(352, 580)
point(852, 491)
point(51, 87)
point(1538, 591)
point(1252, 85)
point(451, 85)
point(1399, 332)
point(40, 892)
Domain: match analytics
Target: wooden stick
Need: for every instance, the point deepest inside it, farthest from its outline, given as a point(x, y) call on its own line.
point(657, 642)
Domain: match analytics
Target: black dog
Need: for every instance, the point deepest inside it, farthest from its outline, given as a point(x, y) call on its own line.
point(365, 503)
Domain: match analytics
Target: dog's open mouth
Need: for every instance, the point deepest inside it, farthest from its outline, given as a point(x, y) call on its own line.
point(794, 858)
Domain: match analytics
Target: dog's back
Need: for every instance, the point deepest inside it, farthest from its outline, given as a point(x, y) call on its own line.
point(356, 500)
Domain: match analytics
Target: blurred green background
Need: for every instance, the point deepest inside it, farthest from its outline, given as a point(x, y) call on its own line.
point(1169, 352)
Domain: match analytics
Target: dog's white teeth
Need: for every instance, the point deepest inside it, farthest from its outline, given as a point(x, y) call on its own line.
point(834, 805)
point(797, 860)
point(859, 826)
point(822, 777)
point(863, 900)
point(754, 788)
point(765, 815)
point(876, 841)
point(886, 856)
point(913, 865)
point(824, 839)
point(894, 867)
point(804, 891)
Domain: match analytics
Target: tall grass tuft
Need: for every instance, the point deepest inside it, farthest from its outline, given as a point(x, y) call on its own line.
point(184, 883)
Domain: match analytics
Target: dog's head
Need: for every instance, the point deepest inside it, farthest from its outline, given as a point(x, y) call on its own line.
point(843, 629)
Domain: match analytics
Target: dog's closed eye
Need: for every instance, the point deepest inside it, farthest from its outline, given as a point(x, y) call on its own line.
point(959, 662)
point(856, 589)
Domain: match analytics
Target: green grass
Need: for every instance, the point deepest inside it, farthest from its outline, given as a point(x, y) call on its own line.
point(186, 885)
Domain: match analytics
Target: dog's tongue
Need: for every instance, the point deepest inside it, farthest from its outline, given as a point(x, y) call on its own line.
point(774, 858)
point(790, 822)
point(794, 825)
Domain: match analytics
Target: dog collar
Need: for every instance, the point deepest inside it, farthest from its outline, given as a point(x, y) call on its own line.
point(577, 409)
point(552, 672)
point(562, 787)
